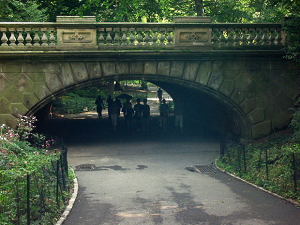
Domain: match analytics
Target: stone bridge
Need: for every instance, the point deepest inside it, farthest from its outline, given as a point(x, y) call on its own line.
point(231, 77)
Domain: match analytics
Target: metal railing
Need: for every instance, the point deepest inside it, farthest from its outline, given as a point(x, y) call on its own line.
point(26, 199)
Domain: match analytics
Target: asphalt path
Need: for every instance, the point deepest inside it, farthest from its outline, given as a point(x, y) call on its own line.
point(142, 178)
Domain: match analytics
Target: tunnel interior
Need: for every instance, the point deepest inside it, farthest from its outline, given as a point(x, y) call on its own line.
point(203, 113)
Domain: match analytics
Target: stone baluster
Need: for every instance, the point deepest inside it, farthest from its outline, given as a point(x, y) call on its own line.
point(116, 40)
point(139, 37)
point(214, 38)
point(147, 38)
point(222, 38)
point(101, 38)
point(4, 38)
point(278, 38)
point(108, 38)
point(243, 37)
point(162, 36)
point(154, 37)
point(237, 37)
point(28, 38)
point(229, 37)
point(251, 37)
point(265, 37)
point(20, 38)
point(12, 38)
point(257, 39)
point(44, 37)
point(52, 37)
point(169, 37)
point(36, 39)
point(131, 37)
point(272, 37)
point(124, 37)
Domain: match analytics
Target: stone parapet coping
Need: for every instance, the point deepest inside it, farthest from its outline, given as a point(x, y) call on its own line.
point(71, 203)
point(258, 187)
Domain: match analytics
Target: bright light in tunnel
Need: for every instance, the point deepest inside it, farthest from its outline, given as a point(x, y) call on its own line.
point(80, 103)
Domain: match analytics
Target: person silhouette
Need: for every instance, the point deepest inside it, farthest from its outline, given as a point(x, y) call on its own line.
point(100, 106)
point(164, 114)
point(138, 111)
point(128, 113)
point(109, 103)
point(159, 95)
point(115, 113)
point(178, 111)
point(146, 115)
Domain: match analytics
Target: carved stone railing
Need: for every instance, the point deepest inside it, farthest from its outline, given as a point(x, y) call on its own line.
point(197, 34)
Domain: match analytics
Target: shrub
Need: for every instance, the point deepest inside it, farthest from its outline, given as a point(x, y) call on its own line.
point(272, 164)
point(26, 155)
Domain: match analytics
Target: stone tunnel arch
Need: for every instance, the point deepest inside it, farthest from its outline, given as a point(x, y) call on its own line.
point(237, 123)
point(257, 91)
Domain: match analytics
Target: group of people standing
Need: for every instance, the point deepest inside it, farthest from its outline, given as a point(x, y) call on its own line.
point(140, 113)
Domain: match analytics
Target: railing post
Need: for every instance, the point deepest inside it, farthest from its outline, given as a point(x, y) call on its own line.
point(131, 37)
point(162, 37)
point(28, 38)
point(4, 38)
point(57, 183)
point(28, 199)
point(12, 37)
point(20, 38)
point(124, 37)
point(101, 38)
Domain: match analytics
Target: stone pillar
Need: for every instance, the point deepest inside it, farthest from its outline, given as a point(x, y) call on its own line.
point(189, 37)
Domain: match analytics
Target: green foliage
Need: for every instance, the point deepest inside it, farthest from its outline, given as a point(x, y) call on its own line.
point(24, 153)
point(149, 10)
point(144, 85)
point(90, 92)
point(21, 11)
point(295, 124)
point(272, 164)
point(78, 101)
point(292, 29)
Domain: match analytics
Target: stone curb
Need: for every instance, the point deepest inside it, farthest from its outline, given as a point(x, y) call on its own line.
point(71, 203)
point(260, 188)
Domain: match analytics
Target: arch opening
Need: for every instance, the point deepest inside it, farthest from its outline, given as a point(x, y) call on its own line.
point(205, 110)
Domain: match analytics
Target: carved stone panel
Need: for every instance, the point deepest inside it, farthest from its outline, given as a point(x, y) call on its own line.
point(76, 38)
point(198, 38)
point(193, 37)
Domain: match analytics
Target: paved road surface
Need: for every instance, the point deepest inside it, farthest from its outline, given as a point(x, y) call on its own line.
point(141, 179)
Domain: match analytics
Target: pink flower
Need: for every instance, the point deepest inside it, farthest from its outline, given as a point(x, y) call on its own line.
point(25, 162)
point(16, 156)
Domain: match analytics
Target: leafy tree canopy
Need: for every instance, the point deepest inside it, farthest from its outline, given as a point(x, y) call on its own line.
point(150, 10)
point(21, 11)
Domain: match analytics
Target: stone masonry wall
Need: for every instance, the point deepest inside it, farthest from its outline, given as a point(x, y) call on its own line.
point(261, 90)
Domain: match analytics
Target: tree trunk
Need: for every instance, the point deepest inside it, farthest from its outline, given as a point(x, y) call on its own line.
point(199, 7)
